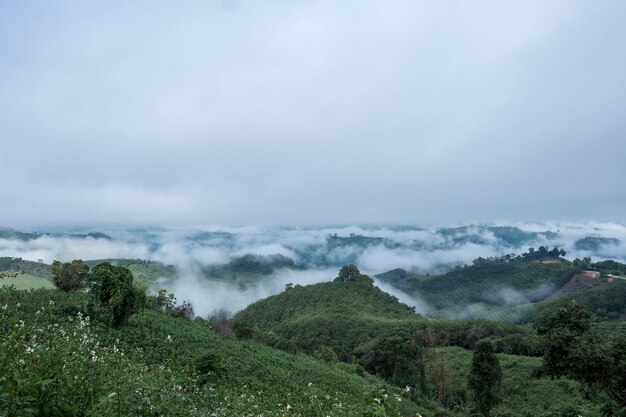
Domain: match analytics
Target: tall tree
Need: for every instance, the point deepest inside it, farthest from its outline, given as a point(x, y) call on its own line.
point(485, 377)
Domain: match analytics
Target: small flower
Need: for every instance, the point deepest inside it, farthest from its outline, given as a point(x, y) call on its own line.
point(169, 338)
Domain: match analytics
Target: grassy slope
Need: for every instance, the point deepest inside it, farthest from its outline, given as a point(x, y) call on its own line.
point(87, 371)
point(522, 394)
point(26, 282)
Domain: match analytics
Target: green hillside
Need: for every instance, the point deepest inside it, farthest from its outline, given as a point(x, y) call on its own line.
point(362, 324)
point(25, 282)
point(522, 393)
point(340, 315)
point(487, 281)
point(54, 361)
point(37, 269)
point(607, 301)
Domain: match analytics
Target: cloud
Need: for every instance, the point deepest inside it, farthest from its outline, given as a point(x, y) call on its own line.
point(320, 251)
point(207, 296)
point(65, 249)
point(240, 112)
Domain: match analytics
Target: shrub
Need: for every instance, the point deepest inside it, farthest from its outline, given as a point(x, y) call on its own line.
point(112, 288)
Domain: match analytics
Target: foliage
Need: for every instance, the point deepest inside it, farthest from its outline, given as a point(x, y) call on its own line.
point(221, 321)
point(486, 281)
point(350, 273)
point(606, 301)
point(595, 243)
point(37, 269)
point(395, 358)
point(55, 362)
point(522, 393)
point(339, 315)
point(561, 330)
point(70, 276)
point(326, 354)
point(485, 377)
point(112, 288)
point(575, 349)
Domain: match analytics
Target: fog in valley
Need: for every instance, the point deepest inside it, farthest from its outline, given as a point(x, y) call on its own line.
point(314, 254)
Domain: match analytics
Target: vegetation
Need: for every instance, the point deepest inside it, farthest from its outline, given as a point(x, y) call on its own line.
point(593, 243)
point(485, 377)
point(338, 315)
point(606, 301)
point(38, 269)
point(23, 281)
point(112, 292)
point(574, 348)
point(499, 282)
point(349, 349)
point(70, 276)
point(350, 273)
point(57, 361)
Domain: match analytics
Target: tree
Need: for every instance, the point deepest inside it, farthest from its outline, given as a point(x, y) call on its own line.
point(563, 332)
point(585, 263)
point(395, 358)
point(574, 349)
point(485, 376)
point(350, 273)
point(112, 286)
point(70, 276)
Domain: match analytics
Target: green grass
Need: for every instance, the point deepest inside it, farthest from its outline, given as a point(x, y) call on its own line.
point(523, 395)
point(25, 282)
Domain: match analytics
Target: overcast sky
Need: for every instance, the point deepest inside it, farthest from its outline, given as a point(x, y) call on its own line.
point(309, 112)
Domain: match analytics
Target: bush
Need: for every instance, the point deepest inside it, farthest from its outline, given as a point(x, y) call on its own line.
point(112, 289)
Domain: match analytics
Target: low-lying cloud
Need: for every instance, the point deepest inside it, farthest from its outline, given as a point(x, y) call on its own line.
point(319, 252)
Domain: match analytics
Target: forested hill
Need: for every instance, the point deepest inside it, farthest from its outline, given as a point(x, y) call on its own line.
point(497, 282)
point(339, 315)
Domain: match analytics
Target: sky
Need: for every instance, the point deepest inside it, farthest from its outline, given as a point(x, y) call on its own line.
point(311, 112)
